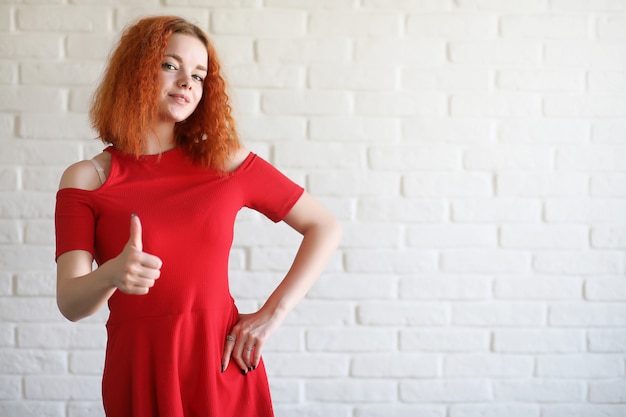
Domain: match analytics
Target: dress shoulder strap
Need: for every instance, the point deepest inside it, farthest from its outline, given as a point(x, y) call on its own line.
point(99, 170)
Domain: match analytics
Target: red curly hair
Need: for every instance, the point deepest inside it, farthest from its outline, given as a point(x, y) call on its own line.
point(124, 106)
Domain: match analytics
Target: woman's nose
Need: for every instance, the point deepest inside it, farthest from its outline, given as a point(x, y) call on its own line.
point(184, 81)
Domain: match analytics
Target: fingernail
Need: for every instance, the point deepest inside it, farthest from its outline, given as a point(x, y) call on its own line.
point(249, 369)
point(133, 214)
point(253, 368)
point(223, 368)
point(243, 372)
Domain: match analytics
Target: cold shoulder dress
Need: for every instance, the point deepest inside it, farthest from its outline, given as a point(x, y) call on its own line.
point(164, 349)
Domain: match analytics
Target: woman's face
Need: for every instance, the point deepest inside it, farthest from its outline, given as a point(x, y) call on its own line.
point(183, 70)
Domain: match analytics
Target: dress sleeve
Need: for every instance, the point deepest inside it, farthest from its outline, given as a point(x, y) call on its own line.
point(75, 221)
point(266, 189)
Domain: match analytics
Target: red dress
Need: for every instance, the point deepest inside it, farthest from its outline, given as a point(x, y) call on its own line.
point(164, 349)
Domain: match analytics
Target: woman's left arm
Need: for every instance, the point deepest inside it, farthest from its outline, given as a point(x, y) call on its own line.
point(321, 234)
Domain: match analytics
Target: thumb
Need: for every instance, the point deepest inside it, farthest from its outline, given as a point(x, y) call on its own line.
point(135, 232)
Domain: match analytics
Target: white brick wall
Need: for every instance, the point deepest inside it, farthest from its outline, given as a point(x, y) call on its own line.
point(475, 151)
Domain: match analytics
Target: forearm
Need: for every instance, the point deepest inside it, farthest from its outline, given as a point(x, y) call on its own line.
point(81, 292)
point(318, 244)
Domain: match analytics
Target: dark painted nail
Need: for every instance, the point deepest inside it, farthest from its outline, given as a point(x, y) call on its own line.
point(223, 368)
point(243, 372)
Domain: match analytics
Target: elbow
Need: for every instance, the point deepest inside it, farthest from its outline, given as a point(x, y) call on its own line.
point(67, 312)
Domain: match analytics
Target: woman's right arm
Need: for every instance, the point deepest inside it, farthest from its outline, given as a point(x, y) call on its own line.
point(81, 291)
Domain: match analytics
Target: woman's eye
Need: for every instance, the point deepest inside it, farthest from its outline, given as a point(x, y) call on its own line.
point(198, 78)
point(168, 66)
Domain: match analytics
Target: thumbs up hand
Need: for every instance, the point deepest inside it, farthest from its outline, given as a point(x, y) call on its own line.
point(135, 271)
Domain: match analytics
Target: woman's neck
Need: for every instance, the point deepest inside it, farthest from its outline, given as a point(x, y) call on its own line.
point(161, 140)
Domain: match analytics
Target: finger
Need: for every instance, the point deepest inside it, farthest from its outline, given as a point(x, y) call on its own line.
point(237, 356)
point(151, 261)
point(228, 349)
point(256, 355)
point(135, 232)
point(248, 356)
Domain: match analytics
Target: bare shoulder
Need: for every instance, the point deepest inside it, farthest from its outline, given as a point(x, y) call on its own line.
point(237, 158)
point(83, 175)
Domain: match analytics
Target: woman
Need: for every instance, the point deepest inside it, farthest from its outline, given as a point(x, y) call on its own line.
point(156, 211)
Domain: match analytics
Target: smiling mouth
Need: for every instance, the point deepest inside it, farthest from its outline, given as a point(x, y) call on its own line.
point(181, 98)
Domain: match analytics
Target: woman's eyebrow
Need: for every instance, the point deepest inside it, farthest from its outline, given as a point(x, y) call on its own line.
point(179, 59)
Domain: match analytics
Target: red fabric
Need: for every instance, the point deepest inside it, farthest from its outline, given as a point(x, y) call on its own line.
point(164, 349)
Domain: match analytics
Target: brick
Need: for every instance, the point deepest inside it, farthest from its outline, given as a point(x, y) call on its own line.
point(400, 104)
point(585, 54)
point(584, 314)
point(61, 19)
point(513, 157)
point(587, 366)
point(79, 100)
point(598, 210)
point(545, 27)
point(32, 408)
point(87, 362)
point(380, 235)
point(42, 179)
point(252, 284)
point(28, 362)
point(213, 3)
point(351, 391)
point(306, 102)
point(495, 410)
point(125, 16)
point(264, 233)
point(87, 46)
point(31, 98)
point(449, 339)
point(417, 52)
point(441, 185)
point(566, 132)
point(307, 365)
point(258, 22)
point(312, 4)
point(538, 288)
point(39, 233)
point(539, 341)
point(360, 183)
point(607, 340)
point(61, 336)
point(445, 79)
point(318, 155)
point(286, 392)
point(10, 388)
point(421, 5)
point(591, 158)
point(452, 26)
point(355, 24)
point(542, 391)
point(266, 75)
point(394, 313)
point(488, 365)
point(541, 81)
point(26, 45)
point(584, 410)
point(448, 131)
point(394, 366)
point(414, 157)
point(31, 205)
point(451, 236)
point(286, 339)
point(319, 312)
point(298, 50)
point(351, 339)
point(22, 256)
point(605, 289)
point(36, 283)
point(342, 286)
point(506, 210)
point(390, 261)
point(501, 105)
point(399, 410)
point(578, 262)
point(587, 5)
point(40, 153)
point(434, 287)
point(607, 392)
point(353, 128)
point(607, 82)
point(7, 126)
point(609, 132)
point(352, 77)
point(63, 387)
point(530, 184)
point(85, 409)
point(7, 335)
point(401, 210)
point(518, 53)
point(611, 27)
point(501, 5)
point(10, 232)
point(499, 313)
point(608, 236)
point(320, 410)
point(544, 236)
point(60, 73)
point(584, 106)
point(31, 309)
point(275, 128)
point(8, 73)
point(449, 391)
